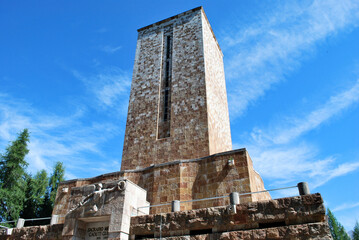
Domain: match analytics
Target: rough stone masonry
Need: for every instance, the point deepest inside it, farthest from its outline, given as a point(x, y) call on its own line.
point(178, 141)
point(178, 147)
point(197, 121)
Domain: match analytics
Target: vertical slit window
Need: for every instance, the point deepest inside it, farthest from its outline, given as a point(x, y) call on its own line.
point(165, 98)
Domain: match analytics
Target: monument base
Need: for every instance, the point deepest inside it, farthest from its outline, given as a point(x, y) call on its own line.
point(301, 217)
point(183, 180)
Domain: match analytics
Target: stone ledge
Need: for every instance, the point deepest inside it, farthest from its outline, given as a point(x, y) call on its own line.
point(48, 232)
point(317, 231)
point(119, 173)
point(255, 215)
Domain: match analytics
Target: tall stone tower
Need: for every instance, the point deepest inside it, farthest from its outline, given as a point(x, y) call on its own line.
point(177, 141)
point(178, 103)
point(177, 152)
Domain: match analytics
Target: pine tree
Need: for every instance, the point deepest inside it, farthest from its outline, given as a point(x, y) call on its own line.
point(13, 177)
point(50, 195)
point(34, 195)
point(356, 231)
point(55, 179)
point(337, 230)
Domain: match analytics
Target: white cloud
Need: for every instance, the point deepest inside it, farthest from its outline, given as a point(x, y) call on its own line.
point(102, 30)
point(349, 219)
point(293, 127)
point(285, 193)
point(260, 55)
point(278, 156)
point(52, 137)
point(292, 164)
point(345, 206)
point(340, 170)
point(111, 49)
point(111, 88)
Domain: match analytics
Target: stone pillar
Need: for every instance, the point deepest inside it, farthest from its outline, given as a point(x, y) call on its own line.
point(105, 210)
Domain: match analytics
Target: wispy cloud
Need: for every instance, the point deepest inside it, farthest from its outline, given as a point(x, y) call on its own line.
point(102, 30)
point(111, 87)
point(292, 127)
point(262, 54)
point(291, 164)
point(110, 49)
point(280, 155)
point(54, 137)
point(345, 206)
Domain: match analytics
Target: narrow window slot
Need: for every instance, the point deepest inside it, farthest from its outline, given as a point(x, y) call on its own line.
point(164, 124)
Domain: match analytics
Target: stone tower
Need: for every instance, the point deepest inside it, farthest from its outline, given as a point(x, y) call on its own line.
point(177, 152)
point(177, 142)
point(178, 103)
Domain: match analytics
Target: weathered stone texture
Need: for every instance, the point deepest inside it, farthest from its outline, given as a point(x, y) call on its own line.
point(216, 95)
point(301, 217)
point(182, 180)
point(112, 205)
point(47, 232)
point(199, 124)
point(311, 231)
point(181, 166)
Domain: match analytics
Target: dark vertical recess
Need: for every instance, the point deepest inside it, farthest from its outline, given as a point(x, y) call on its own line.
point(164, 125)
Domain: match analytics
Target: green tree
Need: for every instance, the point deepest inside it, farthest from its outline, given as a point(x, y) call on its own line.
point(50, 195)
point(12, 177)
point(35, 195)
point(337, 230)
point(356, 231)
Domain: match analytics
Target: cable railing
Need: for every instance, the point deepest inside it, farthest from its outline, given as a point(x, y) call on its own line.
point(21, 221)
point(234, 197)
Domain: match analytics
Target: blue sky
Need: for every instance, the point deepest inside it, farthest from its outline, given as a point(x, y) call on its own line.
point(292, 74)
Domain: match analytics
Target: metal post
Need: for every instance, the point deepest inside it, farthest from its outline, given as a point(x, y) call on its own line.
point(8, 231)
point(234, 200)
point(176, 206)
point(303, 188)
point(54, 219)
point(20, 223)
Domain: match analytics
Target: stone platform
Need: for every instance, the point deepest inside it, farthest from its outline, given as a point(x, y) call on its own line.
point(301, 217)
point(181, 180)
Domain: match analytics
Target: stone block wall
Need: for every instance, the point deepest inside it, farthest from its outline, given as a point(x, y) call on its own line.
point(310, 231)
point(108, 208)
point(199, 122)
point(181, 180)
point(216, 95)
point(47, 232)
point(301, 217)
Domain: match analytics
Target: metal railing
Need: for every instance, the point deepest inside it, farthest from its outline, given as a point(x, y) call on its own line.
point(234, 199)
point(21, 221)
point(302, 188)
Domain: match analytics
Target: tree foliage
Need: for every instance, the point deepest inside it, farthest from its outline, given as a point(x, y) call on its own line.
point(35, 194)
point(57, 176)
point(356, 231)
point(337, 230)
point(13, 177)
point(23, 195)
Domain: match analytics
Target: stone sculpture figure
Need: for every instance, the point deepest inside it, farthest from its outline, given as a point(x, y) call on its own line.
point(98, 194)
